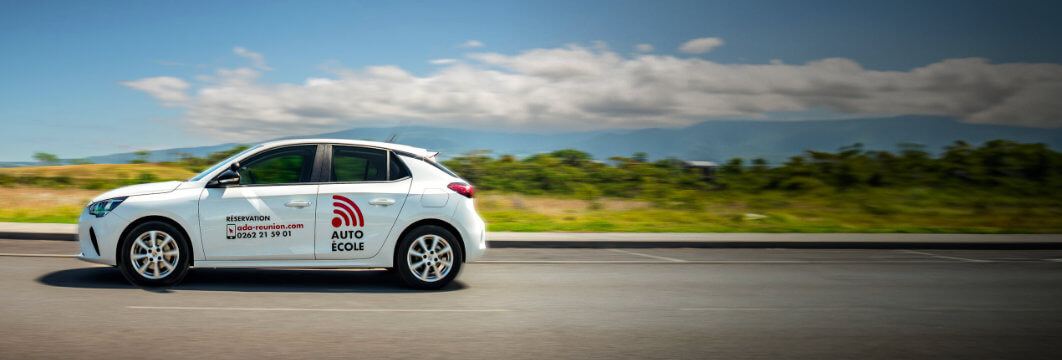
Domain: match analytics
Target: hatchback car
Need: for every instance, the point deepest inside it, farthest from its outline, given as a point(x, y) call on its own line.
point(293, 203)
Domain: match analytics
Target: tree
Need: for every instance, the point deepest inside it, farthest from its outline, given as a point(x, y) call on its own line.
point(1002, 165)
point(759, 165)
point(46, 158)
point(640, 157)
point(572, 157)
point(735, 166)
point(141, 157)
point(216, 157)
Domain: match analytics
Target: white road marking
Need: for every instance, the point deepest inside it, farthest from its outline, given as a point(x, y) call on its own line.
point(742, 309)
point(569, 262)
point(39, 255)
point(665, 258)
point(709, 262)
point(945, 257)
point(583, 262)
point(636, 262)
point(1055, 260)
point(214, 308)
point(866, 308)
point(669, 261)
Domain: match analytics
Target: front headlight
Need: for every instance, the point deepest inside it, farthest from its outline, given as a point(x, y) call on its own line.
point(101, 208)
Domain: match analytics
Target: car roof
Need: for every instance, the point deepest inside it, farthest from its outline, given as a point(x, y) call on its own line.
point(415, 151)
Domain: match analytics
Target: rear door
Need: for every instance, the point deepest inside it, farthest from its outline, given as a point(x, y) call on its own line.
point(364, 192)
point(270, 215)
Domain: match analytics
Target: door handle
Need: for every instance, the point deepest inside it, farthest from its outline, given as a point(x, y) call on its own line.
point(297, 204)
point(382, 202)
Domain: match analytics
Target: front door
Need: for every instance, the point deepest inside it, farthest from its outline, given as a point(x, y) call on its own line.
point(359, 203)
point(270, 215)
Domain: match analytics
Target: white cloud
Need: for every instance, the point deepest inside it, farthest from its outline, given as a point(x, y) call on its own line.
point(472, 44)
point(443, 61)
point(644, 48)
point(257, 60)
point(582, 88)
point(169, 90)
point(701, 45)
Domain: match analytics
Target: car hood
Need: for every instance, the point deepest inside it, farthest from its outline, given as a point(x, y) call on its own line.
point(142, 189)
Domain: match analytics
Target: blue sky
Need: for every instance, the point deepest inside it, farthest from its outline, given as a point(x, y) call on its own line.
point(67, 66)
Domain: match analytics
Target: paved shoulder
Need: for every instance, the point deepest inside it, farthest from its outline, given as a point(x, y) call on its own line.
point(37, 231)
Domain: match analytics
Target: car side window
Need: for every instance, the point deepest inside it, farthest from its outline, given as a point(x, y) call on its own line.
point(288, 165)
point(398, 168)
point(352, 164)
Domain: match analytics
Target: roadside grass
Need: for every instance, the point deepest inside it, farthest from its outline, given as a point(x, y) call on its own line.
point(903, 211)
point(91, 176)
point(36, 204)
point(910, 210)
point(57, 214)
point(868, 210)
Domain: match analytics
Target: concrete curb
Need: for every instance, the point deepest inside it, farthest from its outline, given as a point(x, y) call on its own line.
point(38, 231)
point(776, 240)
point(17, 235)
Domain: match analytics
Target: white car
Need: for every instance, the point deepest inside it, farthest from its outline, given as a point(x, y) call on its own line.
point(293, 203)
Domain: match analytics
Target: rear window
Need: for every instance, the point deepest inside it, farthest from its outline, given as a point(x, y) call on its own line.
point(352, 164)
point(398, 168)
point(356, 164)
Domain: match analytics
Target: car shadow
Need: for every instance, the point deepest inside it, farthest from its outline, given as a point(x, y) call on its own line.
point(246, 280)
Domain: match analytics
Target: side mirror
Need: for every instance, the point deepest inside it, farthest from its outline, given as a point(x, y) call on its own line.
point(231, 176)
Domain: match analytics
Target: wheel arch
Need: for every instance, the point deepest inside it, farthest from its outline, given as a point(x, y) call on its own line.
point(431, 221)
point(138, 222)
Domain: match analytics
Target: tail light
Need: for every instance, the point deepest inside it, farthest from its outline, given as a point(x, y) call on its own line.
point(463, 189)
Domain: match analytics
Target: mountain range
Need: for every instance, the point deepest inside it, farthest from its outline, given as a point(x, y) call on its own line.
point(710, 140)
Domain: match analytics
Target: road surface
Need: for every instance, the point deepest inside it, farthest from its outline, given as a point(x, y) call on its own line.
point(552, 303)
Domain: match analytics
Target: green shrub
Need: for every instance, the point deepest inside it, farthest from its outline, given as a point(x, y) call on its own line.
point(801, 183)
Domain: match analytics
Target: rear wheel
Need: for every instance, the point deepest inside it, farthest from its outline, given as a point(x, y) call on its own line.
point(428, 257)
point(154, 254)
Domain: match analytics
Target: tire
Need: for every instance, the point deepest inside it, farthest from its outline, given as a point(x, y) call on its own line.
point(437, 267)
point(159, 261)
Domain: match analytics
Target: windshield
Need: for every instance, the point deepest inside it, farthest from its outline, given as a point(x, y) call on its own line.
point(223, 163)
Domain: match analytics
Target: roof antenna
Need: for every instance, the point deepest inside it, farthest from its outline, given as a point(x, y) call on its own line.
point(397, 130)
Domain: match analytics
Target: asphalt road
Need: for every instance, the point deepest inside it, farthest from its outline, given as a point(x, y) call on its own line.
point(552, 303)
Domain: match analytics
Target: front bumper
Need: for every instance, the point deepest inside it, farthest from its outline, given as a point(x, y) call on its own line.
point(98, 237)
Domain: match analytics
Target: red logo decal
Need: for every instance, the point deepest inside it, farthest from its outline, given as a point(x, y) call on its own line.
point(347, 212)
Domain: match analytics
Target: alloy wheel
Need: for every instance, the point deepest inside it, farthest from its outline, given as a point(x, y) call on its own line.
point(430, 258)
point(154, 254)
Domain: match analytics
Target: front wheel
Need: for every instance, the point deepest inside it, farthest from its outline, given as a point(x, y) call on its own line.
point(154, 254)
point(428, 258)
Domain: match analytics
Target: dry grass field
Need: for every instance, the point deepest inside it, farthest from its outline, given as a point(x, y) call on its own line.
point(35, 204)
point(59, 194)
point(100, 171)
